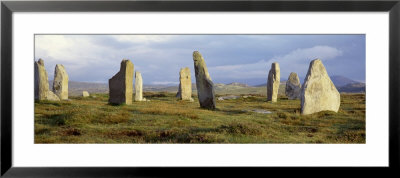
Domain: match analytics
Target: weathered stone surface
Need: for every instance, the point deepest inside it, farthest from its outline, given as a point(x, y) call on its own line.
point(60, 82)
point(204, 85)
point(121, 84)
point(318, 92)
point(139, 87)
point(41, 81)
point(52, 97)
point(42, 91)
point(185, 85)
point(293, 87)
point(85, 94)
point(273, 82)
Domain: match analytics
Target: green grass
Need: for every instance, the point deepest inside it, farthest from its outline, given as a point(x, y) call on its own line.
point(167, 120)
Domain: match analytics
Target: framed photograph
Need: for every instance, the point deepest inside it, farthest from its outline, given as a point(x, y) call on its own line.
point(145, 88)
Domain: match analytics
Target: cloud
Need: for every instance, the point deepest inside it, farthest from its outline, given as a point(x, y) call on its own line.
point(95, 56)
point(143, 39)
point(322, 52)
point(295, 61)
point(230, 58)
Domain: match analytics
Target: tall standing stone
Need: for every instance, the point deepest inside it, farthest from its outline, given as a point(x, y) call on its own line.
point(121, 84)
point(139, 87)
point(293, 87)
point(318, 92)
point(274, 77)
point(60, 82)
point(185, 85)
point(205, 87)
point(42, 91)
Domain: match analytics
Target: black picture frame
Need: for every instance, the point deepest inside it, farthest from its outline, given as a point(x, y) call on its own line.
point(8, 7)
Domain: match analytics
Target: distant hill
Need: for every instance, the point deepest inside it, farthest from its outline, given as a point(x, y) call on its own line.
point(283, 82)
point(353, 88)
point(76, 88)
point(341, 81)
point(336, 79)
point(261, 85)
point(230, 86)
point(343, 84)
point(238, 84)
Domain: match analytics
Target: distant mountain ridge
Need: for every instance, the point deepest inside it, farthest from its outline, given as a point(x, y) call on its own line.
point(337, 80)
point(353, 88)
point(343, 84)
point(231, 85)
point(341, 81)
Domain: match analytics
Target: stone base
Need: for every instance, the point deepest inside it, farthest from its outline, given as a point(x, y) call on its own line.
point(143, 99)
point(52, 97)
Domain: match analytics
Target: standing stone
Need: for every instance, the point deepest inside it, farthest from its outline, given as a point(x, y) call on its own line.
point(274, 80)
point(121, 84)
point(60, 82)
point(205, 87)
point(185, 85)
point(293, 87)
point(42, 91)
point(139, 87)
point(85, 94)
point(318, 92)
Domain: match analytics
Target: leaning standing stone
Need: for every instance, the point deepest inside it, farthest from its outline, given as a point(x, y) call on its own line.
point(274, 77)
point(42, 91)
point(121, 84)
point(205, 87)
point(60, 82)
point(318, 92)
point(185, 85)
point(293, 87)
point(139, 87)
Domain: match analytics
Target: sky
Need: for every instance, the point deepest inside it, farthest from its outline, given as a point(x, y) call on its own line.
point(229, 58)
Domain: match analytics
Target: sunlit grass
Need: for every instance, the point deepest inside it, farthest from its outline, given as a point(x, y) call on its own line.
point(165, 119)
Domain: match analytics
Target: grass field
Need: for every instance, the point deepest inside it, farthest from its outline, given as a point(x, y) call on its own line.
point(166, 120)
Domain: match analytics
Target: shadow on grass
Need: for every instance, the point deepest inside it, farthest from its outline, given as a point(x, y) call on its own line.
point(201, 135)
point(115, 104)
point(231, 111)
point(54, 103)
point(239, 128)
point(54, 120)
point(182, 137)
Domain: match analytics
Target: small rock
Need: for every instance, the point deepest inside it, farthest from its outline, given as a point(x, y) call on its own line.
point(85, 94)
